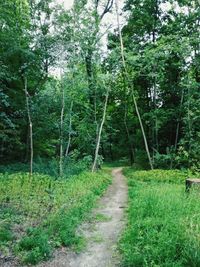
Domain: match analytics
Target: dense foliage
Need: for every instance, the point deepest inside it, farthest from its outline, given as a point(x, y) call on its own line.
point(162, 54)
point(161, 49)
point(163, 222)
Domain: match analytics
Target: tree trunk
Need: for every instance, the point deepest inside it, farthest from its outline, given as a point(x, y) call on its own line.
point(61, 131)
point(178, 124)
point(132, 90)
point(110, 147)
point(70, 129)
point(143, 132)
point(155, 121)
point(132, 155)
point(30, 125)
point(189, 183)
point(99, 133)
point(27, 145)
point(189, 127)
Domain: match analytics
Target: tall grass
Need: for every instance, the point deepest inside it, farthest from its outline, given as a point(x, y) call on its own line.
point(163, 221)
point(48, 211)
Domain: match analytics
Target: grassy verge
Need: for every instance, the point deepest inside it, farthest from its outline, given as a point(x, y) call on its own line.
point(163, 221)
point(38, 214)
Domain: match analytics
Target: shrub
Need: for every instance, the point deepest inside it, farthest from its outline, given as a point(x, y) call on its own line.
point(35, 246)
point(5, 234)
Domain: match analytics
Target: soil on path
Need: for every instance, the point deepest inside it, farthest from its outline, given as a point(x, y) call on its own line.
point(102, 236)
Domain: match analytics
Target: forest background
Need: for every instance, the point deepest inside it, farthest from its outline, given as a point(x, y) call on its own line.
point(137, 100)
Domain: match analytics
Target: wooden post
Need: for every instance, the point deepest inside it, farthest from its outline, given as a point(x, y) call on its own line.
point(189, 183)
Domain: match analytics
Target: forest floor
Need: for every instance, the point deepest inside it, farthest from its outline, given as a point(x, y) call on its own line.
point(101, 232)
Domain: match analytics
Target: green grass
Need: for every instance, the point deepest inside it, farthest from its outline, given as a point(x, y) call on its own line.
point(48, 211)
point(99, 217)
point(163, 226)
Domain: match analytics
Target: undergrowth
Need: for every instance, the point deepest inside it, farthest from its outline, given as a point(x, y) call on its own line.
point(163, 221)
point(41, 213)
point(50, 166)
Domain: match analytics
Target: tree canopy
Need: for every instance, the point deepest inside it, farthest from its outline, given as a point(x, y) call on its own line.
point(81, 99)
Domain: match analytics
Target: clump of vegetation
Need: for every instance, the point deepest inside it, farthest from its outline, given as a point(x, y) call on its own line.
point(51, 208)
point(5, 234)
point(163, 222)
point(157, 176)
point(34, 247)
point(72, 166)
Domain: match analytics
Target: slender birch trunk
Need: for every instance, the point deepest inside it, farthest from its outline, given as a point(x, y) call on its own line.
point(189, 127)
point(132, 154)
point(177, 130)
point(155, 126)
point(100, 132)
point(30, 125)
point(133, 95)
point(73, 86)
point(61, 131)
point(128, 135)
point(70, 130)
point(155, 121)
point(178, 124)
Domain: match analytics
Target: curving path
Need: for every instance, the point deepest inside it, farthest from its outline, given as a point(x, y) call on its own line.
point(102, 236)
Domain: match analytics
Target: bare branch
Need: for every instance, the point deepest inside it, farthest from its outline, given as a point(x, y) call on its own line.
point(96, 4)
point(107, 8)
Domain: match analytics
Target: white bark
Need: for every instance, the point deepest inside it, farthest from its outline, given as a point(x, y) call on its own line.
point(100, 132)
point(70, 130)
point(133, 95)
point(30, 124)
point(61, 131)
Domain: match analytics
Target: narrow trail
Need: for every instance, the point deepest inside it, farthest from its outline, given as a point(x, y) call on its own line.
point(102, 236)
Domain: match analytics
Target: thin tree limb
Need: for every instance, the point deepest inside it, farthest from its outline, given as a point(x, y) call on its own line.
point(133, 95)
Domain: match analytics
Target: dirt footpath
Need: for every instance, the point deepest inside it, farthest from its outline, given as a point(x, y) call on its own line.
point(102, 234)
